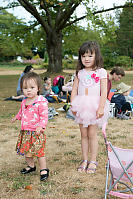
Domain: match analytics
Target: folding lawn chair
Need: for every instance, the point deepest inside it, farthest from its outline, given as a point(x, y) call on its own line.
point(119, 170)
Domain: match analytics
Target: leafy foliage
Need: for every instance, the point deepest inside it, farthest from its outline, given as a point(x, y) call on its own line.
point(12, 36)
point(125, 32)
point(125, 61)
point(55, 18)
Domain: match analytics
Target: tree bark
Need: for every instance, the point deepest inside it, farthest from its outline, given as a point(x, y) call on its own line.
point(54, 49)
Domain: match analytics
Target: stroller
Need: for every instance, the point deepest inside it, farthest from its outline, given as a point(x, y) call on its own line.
point(119, 170)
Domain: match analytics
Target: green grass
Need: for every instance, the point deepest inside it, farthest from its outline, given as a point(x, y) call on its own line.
point(12, 66)
point(128, 79)
point(76, 190)
point(17, 182)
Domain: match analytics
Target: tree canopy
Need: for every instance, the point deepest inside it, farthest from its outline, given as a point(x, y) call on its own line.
point(12, 32)
point(125, 32)
point(54, 16)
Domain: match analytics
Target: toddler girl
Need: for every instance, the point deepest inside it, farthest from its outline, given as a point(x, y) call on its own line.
point(34, 117)
point(88, 101)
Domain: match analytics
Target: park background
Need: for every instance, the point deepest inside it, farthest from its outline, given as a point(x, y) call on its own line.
point(23, 43)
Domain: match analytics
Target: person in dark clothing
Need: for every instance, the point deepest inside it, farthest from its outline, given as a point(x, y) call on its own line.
point(120, 100)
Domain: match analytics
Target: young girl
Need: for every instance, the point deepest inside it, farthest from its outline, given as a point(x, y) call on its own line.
point(34, 116)
point(88, 101)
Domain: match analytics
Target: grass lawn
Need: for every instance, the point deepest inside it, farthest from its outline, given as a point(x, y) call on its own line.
point(63, 152)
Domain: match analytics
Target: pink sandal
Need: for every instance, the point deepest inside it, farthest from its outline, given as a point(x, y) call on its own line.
point(91, 170)
point(82, 168)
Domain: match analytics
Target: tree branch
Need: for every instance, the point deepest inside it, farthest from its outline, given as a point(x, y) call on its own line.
point(98, 12)
point(32, 9)
point(43, 6)
point(64, 16)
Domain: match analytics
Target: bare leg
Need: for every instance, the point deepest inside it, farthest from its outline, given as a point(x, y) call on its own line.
point(84, 142)
point(84, 147)
point(42, 164)
point(30, 162)
point(31, 167)
point(18, 97)
point(93, 142)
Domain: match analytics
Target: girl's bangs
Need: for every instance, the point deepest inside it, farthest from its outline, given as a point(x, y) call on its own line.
point(86, 49)
point(28, 81)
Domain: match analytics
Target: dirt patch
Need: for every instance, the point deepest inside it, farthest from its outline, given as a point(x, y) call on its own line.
point(18, 72)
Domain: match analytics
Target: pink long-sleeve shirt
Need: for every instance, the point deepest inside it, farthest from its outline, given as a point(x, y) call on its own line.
point(33, 115)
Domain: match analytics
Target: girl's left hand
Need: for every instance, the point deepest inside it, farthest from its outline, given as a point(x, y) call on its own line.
point(99, 113)
point(39, 130)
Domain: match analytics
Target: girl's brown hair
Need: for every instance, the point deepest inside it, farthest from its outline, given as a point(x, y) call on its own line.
point(90, 46)
point(33, 76)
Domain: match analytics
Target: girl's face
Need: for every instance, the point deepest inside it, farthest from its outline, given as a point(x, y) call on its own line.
point(88, 60)
point(30, 88)
point(48, 81)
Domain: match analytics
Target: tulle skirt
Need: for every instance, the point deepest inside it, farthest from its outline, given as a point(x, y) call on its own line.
point(86, 107)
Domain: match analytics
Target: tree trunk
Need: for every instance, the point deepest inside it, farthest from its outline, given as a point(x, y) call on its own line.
point(54, 49)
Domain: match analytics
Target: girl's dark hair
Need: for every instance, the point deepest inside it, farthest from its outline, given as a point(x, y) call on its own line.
point(90, 46)
point(27, 69)
point(45, 79)
point(33, 76)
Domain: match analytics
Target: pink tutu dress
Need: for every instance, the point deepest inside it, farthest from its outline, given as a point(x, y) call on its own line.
point(86, 103)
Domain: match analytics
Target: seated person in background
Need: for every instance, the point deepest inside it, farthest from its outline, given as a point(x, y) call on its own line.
point(58, 82)
point(129, 98)
point(20, 95)
point(46, 89)
point(115, 75)
point(26, 70)
point(67, 88)
point(119, 98)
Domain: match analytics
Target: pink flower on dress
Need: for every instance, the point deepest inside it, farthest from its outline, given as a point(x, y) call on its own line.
point(96, 78)
point(93, 75)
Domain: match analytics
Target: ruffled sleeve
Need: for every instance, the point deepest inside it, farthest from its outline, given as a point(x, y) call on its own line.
point(102, 73)
point(79, 74)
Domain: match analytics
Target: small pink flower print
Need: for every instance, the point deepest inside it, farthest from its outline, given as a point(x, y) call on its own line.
point(93, 75)
point(97, 79)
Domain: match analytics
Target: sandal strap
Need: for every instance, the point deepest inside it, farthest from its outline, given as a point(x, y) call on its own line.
point(31, 167)
point(91, 169)
point(83, 167)
point(93, 162)
point(44, 170)
point(85, 161)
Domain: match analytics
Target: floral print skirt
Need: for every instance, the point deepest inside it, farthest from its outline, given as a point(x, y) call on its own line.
point(31, 144)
